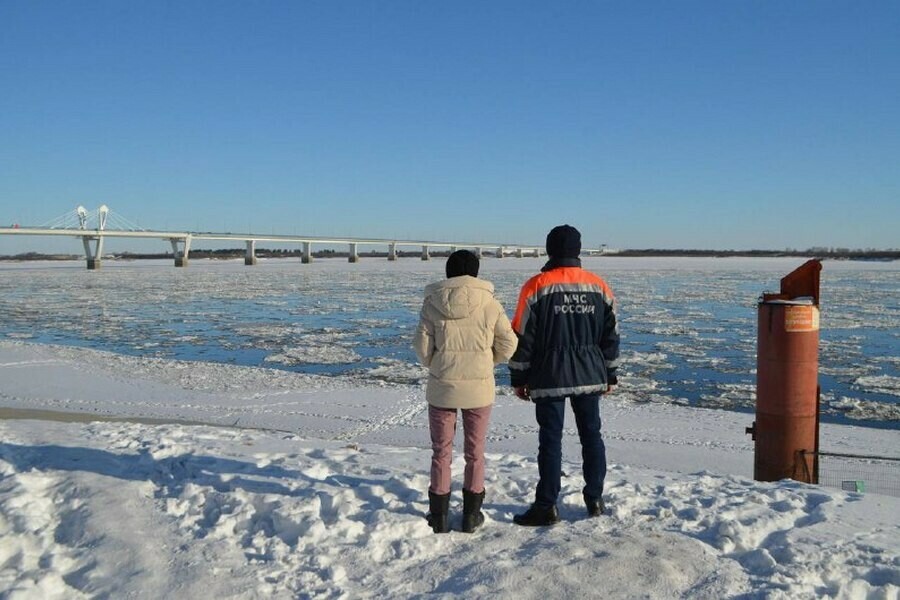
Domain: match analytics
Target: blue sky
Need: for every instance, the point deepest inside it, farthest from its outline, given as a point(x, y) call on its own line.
point(645, 124)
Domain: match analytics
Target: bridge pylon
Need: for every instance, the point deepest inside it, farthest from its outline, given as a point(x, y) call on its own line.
point(93, 255)
point(181, 249)
point(250, 254)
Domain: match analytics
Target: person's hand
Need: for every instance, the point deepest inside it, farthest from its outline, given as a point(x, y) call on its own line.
point(522, 392)
point(610, 388)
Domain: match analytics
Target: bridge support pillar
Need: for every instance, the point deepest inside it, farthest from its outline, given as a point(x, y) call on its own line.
point(392, 251)
point(307, 253)
point(250, 255)
point(93, 255)
point(425, 255)
point(181, 250)
point(519, 253)
point(354, 254)
point(478, 252)
point(500, 252)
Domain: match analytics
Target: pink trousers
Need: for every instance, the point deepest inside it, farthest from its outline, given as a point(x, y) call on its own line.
point(442, 422)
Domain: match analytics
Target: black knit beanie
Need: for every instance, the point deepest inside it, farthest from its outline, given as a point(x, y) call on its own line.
point(563, 241)
point(462, 262)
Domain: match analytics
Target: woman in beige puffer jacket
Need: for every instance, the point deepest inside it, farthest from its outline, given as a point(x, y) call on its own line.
point(463, 333)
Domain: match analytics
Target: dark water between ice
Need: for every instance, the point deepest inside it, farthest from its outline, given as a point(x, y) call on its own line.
point(688, 326)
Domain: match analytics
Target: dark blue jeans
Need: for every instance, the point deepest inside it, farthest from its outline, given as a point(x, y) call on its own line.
point(550, 416)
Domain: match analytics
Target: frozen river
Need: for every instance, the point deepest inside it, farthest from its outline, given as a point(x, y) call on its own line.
point(688, 325)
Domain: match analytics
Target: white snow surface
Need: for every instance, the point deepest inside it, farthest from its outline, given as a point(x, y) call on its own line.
point(262, 483)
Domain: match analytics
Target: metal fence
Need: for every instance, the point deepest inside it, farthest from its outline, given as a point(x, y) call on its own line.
point(859, 473)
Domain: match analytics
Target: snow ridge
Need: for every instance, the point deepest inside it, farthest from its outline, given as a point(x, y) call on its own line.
point(279, 516)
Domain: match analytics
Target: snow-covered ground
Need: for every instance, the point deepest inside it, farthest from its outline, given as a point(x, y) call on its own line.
point(320, 489)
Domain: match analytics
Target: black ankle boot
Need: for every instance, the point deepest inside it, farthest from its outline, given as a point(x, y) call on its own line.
point(594, 506)
point(473, 518)
point(438, 512)
point(537, 516)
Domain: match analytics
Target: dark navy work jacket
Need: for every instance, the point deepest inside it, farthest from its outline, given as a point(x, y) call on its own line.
point(568, 333)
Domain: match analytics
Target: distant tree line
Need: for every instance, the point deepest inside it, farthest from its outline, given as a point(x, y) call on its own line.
point(831, 252)
point(816, 251)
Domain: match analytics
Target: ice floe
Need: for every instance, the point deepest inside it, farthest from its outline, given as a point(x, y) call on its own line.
point(356, 320)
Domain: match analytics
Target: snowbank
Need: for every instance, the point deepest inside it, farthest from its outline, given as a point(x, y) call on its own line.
point(332, 505)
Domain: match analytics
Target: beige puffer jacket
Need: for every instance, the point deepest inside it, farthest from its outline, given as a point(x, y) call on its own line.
point(463, 332)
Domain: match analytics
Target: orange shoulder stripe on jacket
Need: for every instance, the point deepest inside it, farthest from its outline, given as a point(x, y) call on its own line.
point(531, 286)
point(563, 275)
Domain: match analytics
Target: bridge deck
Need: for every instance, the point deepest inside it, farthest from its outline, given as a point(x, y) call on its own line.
point(252, 237)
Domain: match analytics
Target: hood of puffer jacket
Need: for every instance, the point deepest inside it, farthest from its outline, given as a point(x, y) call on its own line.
point(459, 297)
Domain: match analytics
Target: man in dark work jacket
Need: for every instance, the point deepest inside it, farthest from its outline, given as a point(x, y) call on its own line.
point(568, 348)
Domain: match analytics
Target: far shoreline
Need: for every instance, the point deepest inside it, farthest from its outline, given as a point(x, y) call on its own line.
point(235, 253)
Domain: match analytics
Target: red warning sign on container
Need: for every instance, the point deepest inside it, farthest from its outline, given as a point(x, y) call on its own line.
point(801, 318)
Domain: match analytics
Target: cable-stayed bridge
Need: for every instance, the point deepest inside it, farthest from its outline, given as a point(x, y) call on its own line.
point(93, 227)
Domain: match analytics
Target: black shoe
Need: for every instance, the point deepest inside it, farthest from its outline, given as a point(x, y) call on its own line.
point(438, 512)
point(595, 506)
point(537, 516)
point(473, 518)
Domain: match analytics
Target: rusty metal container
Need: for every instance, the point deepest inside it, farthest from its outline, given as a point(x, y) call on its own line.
point(786, 427)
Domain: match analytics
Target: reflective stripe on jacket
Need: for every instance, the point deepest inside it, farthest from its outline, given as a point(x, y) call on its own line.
point(568, 333)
